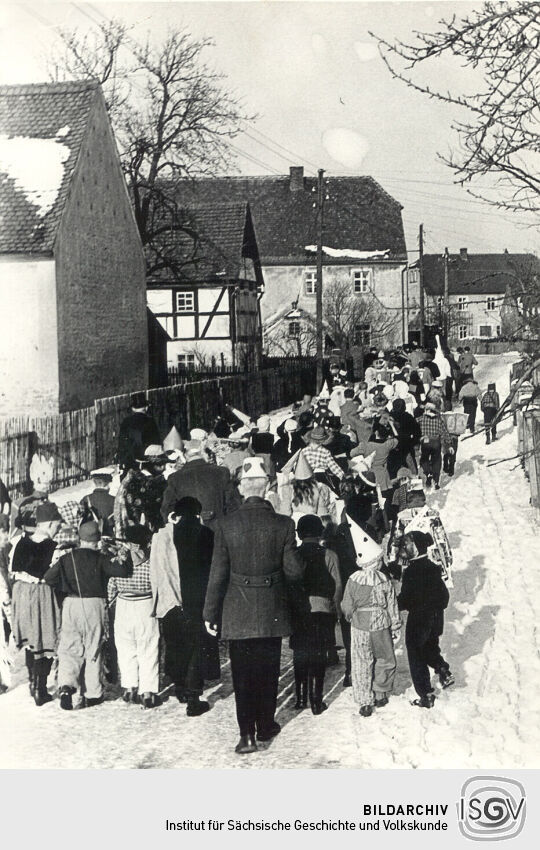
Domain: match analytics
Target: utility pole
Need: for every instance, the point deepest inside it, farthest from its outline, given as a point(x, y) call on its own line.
point(421, 285)
point(319, 285)
point(446, 305)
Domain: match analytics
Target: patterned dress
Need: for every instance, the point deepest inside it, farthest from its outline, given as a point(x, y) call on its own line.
point(370, 605)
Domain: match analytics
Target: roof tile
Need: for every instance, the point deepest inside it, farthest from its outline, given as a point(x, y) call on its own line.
point(39, 111)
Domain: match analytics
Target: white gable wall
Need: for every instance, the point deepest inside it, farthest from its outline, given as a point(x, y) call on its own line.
point(28, 337)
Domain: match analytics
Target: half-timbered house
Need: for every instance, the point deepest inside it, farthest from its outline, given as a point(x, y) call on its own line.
point(206, 292)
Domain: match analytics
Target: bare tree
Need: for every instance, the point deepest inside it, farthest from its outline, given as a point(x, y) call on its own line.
point(172, 117)
point(520, 311)
point(349, 318)
point(499, 134)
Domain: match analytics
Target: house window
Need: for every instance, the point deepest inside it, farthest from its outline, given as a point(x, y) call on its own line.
point(413, 275)
point(498, 330)
point(462, 331)
point(294, 329)
point(491, 303)
point(362, 334)
point(484, 330)
point(185, 302)
point(462, 302)
point(440, 301)
point(361, 281)
point(310, 282)
point(186, 361)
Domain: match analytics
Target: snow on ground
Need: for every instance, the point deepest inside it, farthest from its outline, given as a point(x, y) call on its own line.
point(488, 719)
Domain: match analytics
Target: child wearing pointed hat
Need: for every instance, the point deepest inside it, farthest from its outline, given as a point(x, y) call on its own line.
point(370, 605)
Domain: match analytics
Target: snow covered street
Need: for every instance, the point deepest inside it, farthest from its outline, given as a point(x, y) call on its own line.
point(488, 719)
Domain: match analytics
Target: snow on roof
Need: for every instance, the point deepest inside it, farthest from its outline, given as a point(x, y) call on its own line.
point(42, 128)
point(36, 166)
point(349, 252)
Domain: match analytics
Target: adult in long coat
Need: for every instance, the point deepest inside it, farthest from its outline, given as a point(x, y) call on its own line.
point(255, 570)
point(208, 483)
point(137, 432)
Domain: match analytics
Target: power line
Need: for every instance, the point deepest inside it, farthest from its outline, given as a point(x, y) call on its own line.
point(296, 155)
point(252, 158)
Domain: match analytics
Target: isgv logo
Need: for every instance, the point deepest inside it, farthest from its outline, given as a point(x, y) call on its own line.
point(491, 808)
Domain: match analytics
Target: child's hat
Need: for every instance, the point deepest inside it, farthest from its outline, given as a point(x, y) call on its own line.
point(368, 553)
point(253, 467)
point(103, 472)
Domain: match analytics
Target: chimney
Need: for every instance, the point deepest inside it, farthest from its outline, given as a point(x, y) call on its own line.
point(463, 254)
point(296, 181)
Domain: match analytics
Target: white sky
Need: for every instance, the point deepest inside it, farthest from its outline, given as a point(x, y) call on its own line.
point(309, 70)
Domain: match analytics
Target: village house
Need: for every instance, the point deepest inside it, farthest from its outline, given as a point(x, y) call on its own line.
point(72, 269)
point(204, 287)
point(364, 253)
point(477, 288)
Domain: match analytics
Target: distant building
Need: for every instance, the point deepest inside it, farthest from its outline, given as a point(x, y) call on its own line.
point(206, 293)
point(364, 252)
point(72, 272)
point(477, 287)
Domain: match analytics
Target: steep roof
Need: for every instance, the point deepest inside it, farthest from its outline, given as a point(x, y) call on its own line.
point(41, 130)
point(473, 274)
point(223, 236)
point(358, 214)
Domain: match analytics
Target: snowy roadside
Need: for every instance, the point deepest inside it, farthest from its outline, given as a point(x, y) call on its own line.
point(488, 719)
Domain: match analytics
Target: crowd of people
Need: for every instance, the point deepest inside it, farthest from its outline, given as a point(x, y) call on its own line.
point(247, 536)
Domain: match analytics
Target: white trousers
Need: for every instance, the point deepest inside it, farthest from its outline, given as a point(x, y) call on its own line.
point(136, 635)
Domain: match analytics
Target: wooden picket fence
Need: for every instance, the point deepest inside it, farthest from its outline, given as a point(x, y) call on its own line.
point(80, 440)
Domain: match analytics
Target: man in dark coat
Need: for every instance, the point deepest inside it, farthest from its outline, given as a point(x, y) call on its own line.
point(425, 596)
point(183, 627)
point(137, 432)
point(208, 483)
point(255, 571)
point(409, 436)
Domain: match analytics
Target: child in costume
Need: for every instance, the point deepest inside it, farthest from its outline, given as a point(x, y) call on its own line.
point(312, 641)
point(370, 605)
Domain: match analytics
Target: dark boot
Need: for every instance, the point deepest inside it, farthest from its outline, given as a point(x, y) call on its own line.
point(316, 685)
point(196, 707)
point(347, 683)
point(150, 700)
point(66, 697)
point(42, 668)
point(89, 702)
point(29, 661)
point(445, 676)
point(366, 710)
point(427, 701)
point(246, 744)
point(381, 702)
point(41, 694)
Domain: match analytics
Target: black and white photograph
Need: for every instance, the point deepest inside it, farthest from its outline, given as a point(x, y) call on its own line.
point(270, 386)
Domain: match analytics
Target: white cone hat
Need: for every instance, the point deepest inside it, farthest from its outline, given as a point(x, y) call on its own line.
point(324, 393)
point(173, 440)
point(368, 553)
